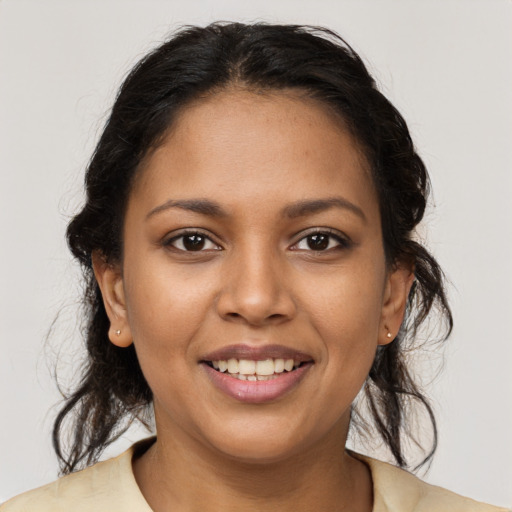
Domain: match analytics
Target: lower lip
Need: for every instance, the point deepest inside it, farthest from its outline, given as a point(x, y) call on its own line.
point(256, 392)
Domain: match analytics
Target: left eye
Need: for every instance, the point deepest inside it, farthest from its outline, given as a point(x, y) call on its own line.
point(192, 242)
point(320, 241)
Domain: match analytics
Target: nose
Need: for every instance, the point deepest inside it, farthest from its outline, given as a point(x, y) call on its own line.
point(255, 290)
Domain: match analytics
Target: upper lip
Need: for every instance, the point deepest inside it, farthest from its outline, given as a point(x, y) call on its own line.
point(256, 353)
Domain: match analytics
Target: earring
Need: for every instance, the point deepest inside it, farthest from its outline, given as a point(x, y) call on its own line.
point(118, 332)
point(389, 335)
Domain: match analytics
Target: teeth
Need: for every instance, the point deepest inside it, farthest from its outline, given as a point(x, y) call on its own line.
point(232, 366)
point(288, 365)
point(266, 377)
point(279, 365)
point(265, 367)
point(247, 369)
point(252, 378)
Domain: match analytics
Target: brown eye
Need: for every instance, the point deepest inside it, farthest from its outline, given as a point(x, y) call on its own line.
point(192, 242)
point(322, 241)
point(318, 242)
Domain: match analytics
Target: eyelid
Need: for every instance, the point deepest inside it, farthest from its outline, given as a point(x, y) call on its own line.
point(170, 238)
point(343, 240)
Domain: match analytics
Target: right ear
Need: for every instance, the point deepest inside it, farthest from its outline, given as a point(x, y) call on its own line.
point(110, 281)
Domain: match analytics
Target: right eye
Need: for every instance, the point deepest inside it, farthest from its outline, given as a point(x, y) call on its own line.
point(192, 241)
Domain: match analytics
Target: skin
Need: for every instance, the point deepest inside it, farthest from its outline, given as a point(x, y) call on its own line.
point(256, 281)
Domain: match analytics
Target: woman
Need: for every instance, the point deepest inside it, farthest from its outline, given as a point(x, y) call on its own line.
point(248, 243)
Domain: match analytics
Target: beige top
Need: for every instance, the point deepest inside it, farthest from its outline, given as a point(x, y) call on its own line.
point(110, 486)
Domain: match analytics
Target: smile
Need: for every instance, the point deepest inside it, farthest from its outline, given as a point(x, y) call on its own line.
point(251, 370)
point(256, 375)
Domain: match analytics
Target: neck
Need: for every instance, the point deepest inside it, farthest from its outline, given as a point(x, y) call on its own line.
point(181, 473)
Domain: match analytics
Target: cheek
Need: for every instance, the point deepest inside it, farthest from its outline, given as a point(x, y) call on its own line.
point(164, 315)
point(346, 312)
point(164, 310)
point(348, 306)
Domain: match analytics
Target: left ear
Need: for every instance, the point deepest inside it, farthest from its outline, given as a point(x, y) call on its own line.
point(396, 292)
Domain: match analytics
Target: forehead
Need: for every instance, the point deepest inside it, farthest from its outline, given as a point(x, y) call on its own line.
point(278, 146)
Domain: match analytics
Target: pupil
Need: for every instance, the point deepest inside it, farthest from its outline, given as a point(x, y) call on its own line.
point(318, 242)
point(193, 242)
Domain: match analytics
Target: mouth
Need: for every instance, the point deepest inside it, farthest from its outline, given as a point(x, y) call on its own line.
point(253, 370)
point(256, 374)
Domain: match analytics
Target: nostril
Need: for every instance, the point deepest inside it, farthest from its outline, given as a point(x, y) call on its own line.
point(255, 319)
point(242, 303)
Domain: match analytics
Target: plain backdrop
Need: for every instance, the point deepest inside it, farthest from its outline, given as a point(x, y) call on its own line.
point(445, 64)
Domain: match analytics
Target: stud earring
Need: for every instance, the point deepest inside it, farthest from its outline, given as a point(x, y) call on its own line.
point(388, 335)
point(118, 332)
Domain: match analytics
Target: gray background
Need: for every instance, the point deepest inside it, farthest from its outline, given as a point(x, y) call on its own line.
point(445, 64)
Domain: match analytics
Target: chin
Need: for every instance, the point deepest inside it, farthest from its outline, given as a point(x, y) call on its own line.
point(262, 444)
point(259, 453)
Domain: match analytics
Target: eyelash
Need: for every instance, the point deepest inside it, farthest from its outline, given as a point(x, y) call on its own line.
point(191, 233)
point(342, 242)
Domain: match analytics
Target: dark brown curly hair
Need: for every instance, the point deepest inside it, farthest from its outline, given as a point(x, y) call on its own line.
point(112, 390)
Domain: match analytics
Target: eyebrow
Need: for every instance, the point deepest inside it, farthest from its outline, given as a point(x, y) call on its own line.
point(202, 206)
point(298, 209)
point(306, 207)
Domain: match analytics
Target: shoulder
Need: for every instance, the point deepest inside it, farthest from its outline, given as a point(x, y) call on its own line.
point(396, 490)
point(107, 486)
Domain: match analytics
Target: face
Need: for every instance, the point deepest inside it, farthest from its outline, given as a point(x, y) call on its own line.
point(253, 282)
